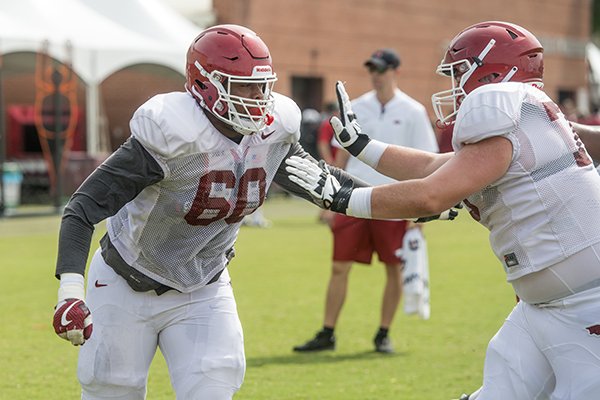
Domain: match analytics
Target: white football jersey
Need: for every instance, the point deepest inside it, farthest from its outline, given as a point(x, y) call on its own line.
point(547, 206)
point(179, 230)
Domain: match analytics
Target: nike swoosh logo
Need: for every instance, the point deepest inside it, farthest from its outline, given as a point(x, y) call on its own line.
point(266, 135)
point(63, 318)
point(98, 284)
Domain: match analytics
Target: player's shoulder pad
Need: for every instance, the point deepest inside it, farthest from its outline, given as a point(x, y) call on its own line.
point(490, 110)
point(169, 124)
point(286, 119)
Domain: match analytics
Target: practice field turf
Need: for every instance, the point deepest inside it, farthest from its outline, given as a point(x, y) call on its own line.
point(279, 276)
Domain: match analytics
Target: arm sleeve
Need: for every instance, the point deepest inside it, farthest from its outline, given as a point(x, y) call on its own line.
point(281, 176)
point(113, 184)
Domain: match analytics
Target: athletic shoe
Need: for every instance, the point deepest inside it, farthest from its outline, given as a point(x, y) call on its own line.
point(383, 344)
point(321, 341)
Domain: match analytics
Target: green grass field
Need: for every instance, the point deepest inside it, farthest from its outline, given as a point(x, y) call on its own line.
point(279, 276)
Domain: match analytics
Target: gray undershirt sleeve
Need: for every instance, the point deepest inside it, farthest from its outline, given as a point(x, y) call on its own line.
point(112, 185)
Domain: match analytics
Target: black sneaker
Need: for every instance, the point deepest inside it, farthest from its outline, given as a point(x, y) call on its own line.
point(383, 344)
point(322, 341)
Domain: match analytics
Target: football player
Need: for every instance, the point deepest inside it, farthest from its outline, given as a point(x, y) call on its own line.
point(590, 136)
point(174, 196)
point(528, 178)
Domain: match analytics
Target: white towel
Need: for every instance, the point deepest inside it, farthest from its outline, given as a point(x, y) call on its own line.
point(415, 275)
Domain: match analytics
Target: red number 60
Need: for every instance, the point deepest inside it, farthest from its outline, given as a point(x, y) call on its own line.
point(218, 207)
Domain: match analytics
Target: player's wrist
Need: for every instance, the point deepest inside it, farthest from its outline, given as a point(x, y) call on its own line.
point(71, 286)
point(372, 152)
point(359, 145)
point(359, 204)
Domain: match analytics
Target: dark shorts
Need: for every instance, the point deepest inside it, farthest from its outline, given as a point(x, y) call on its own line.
point(356, 239)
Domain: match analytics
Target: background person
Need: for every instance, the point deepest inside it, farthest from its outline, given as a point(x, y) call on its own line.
point(309, 126)
point(327, 151)
point(392, 116)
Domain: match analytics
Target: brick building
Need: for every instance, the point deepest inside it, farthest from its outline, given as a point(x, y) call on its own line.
point(314, 42)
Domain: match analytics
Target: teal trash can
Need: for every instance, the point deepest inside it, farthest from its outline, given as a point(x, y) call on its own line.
point(12, 178)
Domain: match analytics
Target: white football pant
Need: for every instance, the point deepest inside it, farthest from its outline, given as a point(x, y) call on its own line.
point(546, 352)
point(199, 334)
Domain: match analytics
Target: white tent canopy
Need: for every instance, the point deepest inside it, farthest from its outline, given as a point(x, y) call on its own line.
point(150, 19)
point(106, 36)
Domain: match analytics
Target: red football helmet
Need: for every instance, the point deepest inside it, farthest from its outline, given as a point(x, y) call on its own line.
point(488, 52)
point(224, 55)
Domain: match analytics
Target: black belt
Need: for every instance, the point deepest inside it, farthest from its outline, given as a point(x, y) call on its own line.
point(164, 288)
point(134, 278)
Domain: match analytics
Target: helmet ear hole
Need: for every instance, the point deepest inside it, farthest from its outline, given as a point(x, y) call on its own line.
point(489, 78)
point(201, 85)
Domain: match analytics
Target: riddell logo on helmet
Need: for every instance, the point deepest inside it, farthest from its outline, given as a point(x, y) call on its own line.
point(262, 68)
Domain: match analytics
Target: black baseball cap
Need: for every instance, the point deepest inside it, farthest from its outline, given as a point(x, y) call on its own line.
point(383, 59)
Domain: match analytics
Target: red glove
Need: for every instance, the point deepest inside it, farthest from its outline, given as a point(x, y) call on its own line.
point(73, 321)
point(72, 318)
